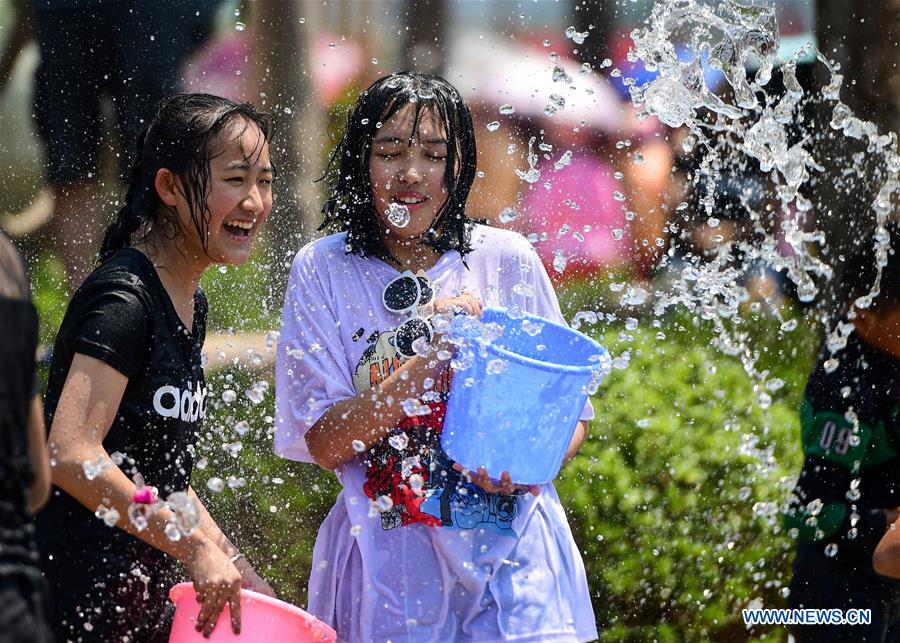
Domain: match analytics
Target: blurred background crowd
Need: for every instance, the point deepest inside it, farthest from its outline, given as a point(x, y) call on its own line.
point(562, 156)
point(675, 497)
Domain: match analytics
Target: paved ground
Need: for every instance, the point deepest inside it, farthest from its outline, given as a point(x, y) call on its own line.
point(248, 348)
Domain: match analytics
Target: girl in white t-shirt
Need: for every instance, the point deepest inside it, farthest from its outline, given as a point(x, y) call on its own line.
point(415, 548)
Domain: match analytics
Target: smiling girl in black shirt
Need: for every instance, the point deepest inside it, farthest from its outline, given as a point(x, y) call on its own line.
point(127, 393)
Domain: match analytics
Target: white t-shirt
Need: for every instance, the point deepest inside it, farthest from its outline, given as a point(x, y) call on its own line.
point(441, 560)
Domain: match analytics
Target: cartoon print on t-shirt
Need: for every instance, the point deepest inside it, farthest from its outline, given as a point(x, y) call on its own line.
point(410, 468)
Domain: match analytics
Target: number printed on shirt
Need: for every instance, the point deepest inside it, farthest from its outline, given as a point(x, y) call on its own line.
point(841, 444)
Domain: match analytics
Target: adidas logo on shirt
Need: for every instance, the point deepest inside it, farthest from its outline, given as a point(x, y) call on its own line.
point(171, 401)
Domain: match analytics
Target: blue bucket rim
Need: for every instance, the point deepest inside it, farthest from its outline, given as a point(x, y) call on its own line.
point(547, 366)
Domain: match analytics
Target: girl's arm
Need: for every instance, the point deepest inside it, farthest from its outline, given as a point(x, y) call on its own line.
point(370, 415)
point(87, 406)
point(578, 437)
point(249, 578)
point(886, 559)
point(39, 490)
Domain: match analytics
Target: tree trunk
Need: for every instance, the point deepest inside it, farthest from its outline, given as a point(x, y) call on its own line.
point(283, 77)
point(425, 45)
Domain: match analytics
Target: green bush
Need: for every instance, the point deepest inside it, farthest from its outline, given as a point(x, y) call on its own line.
point(270, 507)
point(673, 500)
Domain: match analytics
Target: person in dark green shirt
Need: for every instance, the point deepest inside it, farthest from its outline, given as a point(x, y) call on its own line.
point(848, 492)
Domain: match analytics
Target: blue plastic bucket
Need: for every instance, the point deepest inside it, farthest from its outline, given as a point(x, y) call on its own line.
point(519, 415)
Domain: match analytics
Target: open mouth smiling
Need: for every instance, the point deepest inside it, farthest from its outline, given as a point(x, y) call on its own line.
point(409, 199)
point(238, 228)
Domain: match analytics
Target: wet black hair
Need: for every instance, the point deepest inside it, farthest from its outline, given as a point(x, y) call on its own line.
point(350, 206)
point(862, 266)
point(181, 137)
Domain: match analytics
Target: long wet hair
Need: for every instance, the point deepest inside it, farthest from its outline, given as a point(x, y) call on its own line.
point(350, 206)
point(182, 138)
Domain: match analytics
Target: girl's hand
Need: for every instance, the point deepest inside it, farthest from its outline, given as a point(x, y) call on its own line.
point(251, 580)
point(504, 485)
point(216, 582)
point(467, 302)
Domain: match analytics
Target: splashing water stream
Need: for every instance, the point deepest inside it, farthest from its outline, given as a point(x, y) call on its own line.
point(750, 127)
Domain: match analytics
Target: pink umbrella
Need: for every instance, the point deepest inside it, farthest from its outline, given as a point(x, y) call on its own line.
point(535, 85)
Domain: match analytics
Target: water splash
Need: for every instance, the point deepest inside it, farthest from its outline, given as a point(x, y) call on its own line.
point(532, 174)
point(747, 127)
point(398, 215)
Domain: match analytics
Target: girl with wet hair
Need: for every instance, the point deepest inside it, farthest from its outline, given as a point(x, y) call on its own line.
point(415, 548)
point(350, 204)
point(126, 395)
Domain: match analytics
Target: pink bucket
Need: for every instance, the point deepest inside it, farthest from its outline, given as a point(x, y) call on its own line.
point(263, 620)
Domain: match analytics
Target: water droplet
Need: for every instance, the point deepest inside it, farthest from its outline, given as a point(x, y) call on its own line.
point(560, 75)
point(94, 468)
point(506, 109)
point(108, 515)
point(229, 396)
point(557, 103)
point(374, 61)
point(255, 394)
point(560, 261)
point(507, 215)
point(358, 445)
point(383, 504)
point(789, 325)
point(831, 550)
point(523, 289)
point(496, 366)
point(416, 482)
point(532, 175)
point(493, 126)
point(398, 215)
point(412, 407)
point(564, 160)
point(239, 26)
point(215, 484)
point(399, 441)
